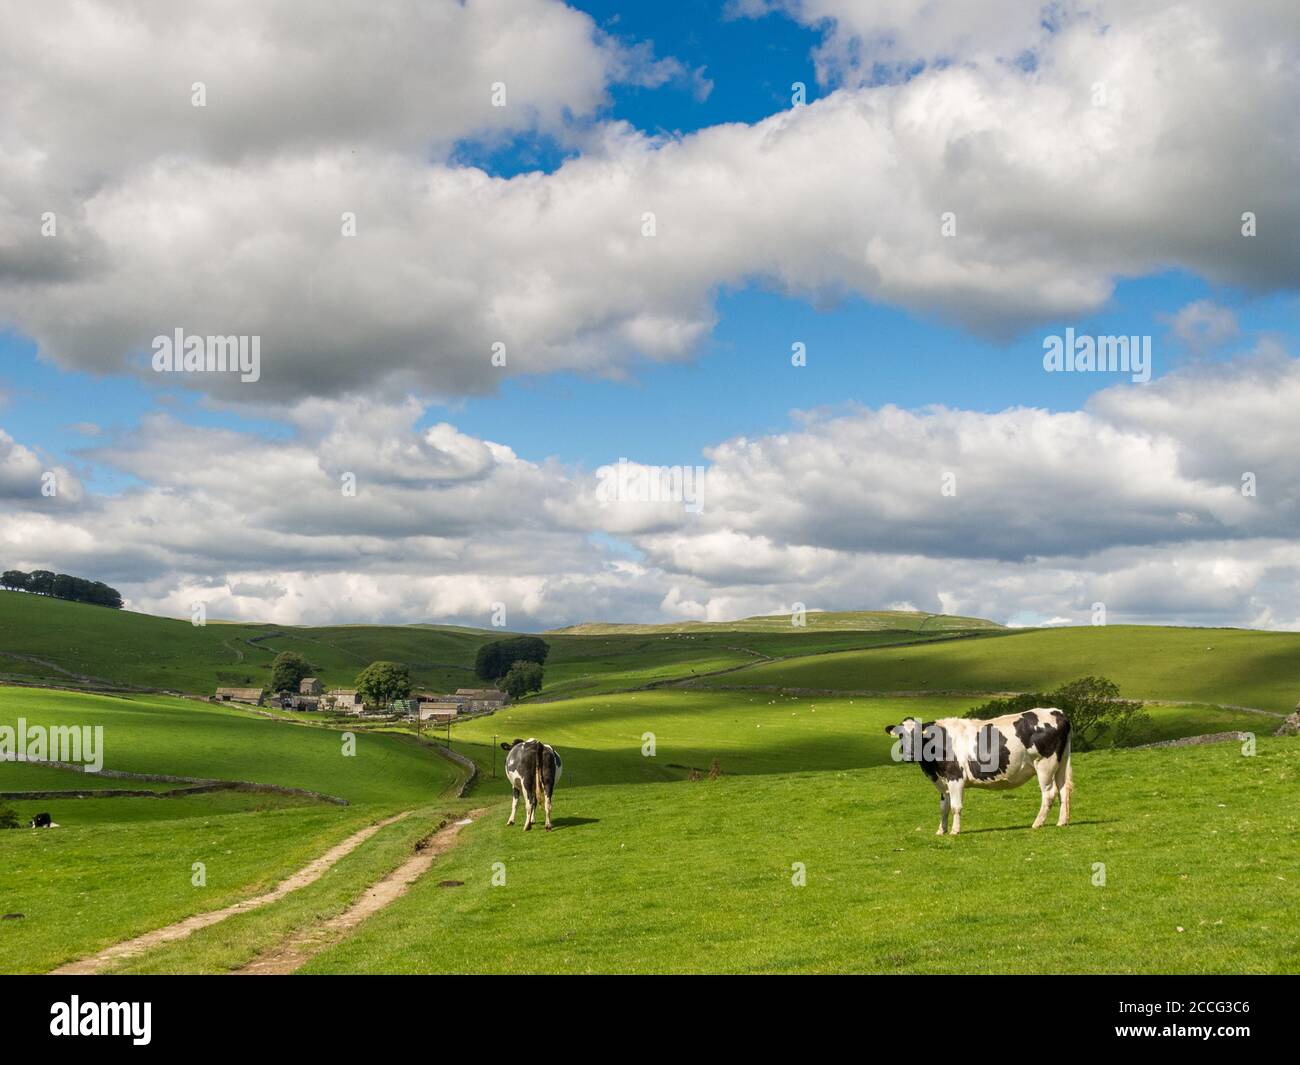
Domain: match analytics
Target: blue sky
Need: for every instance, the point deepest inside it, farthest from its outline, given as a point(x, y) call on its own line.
point(741, 380)
point(469, 236)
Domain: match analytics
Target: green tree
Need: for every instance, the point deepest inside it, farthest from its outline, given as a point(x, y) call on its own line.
point(521, 678)
point(65, 586)
point(40, 581)
point(62, 586)
point(15, 580)
point(288, 670)
point(102, 595)
point(8, 819)
point(382, 682)
point(1098, 716)
point(494, 659)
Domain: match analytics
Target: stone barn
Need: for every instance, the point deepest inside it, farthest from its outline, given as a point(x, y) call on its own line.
point(251, 696)
point(347, 701)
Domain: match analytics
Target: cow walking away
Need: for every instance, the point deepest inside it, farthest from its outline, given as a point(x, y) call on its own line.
point(1003, 752)
point(532, 767)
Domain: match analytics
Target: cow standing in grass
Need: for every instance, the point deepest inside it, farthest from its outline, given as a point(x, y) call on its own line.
point(532, 767)
point(1003, 752)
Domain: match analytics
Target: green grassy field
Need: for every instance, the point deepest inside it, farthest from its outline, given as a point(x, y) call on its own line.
point(648, 870)
point(121, 866)
point(158, 734)
point(1238, 666)
point(749, 733)
point(1197, 844)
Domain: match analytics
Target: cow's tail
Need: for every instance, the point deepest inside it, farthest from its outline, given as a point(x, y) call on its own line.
point(545, 772)
point(544, 780)
point(1065, 776)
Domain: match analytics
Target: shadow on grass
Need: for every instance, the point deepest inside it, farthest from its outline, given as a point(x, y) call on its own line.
point(1030, 828)
point(573, 822)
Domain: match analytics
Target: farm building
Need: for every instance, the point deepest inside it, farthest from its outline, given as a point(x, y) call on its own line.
point(481, 698)
point(309, 686)
point(432, 711)
point(404, 706)
point(252, 696)
point(289, 701)
point(346, 700)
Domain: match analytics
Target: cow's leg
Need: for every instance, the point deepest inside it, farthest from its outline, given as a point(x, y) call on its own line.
point(546, 799)
point(530, 810)
point(955, 789)
point(943, 806)
point(1065, 785)
point(514, 807)
point(1046, 771)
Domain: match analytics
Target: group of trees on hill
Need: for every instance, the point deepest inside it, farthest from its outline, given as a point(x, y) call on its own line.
point(495, 659)
point(514, 664)
point(522, 678)
point(61, 586)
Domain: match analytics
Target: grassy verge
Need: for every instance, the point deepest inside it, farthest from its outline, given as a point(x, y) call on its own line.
point(85, 887)
point(1196, 846)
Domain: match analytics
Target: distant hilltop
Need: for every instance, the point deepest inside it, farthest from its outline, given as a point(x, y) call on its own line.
point(824, 620)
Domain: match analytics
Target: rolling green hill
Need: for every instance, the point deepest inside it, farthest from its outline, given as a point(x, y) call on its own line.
point(596, 663)
point(823, 620)
point(1237, 666)
point(183, 737)
point(48, 640)
point(65, 643)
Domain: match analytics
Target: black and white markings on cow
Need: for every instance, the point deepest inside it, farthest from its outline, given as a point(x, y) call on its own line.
point(1004, 752)
point(991, 755)
point(1046, 737)
point(933, 751)
point(533, 769)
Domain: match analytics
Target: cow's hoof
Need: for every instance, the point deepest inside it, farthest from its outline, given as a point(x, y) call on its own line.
point(939, 832)
point(528, 828)
point(548, 828)
point(510, 824)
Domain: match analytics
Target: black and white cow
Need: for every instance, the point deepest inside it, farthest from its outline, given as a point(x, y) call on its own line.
point(1003, 752)
point(41, 821)
point(532, 767)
